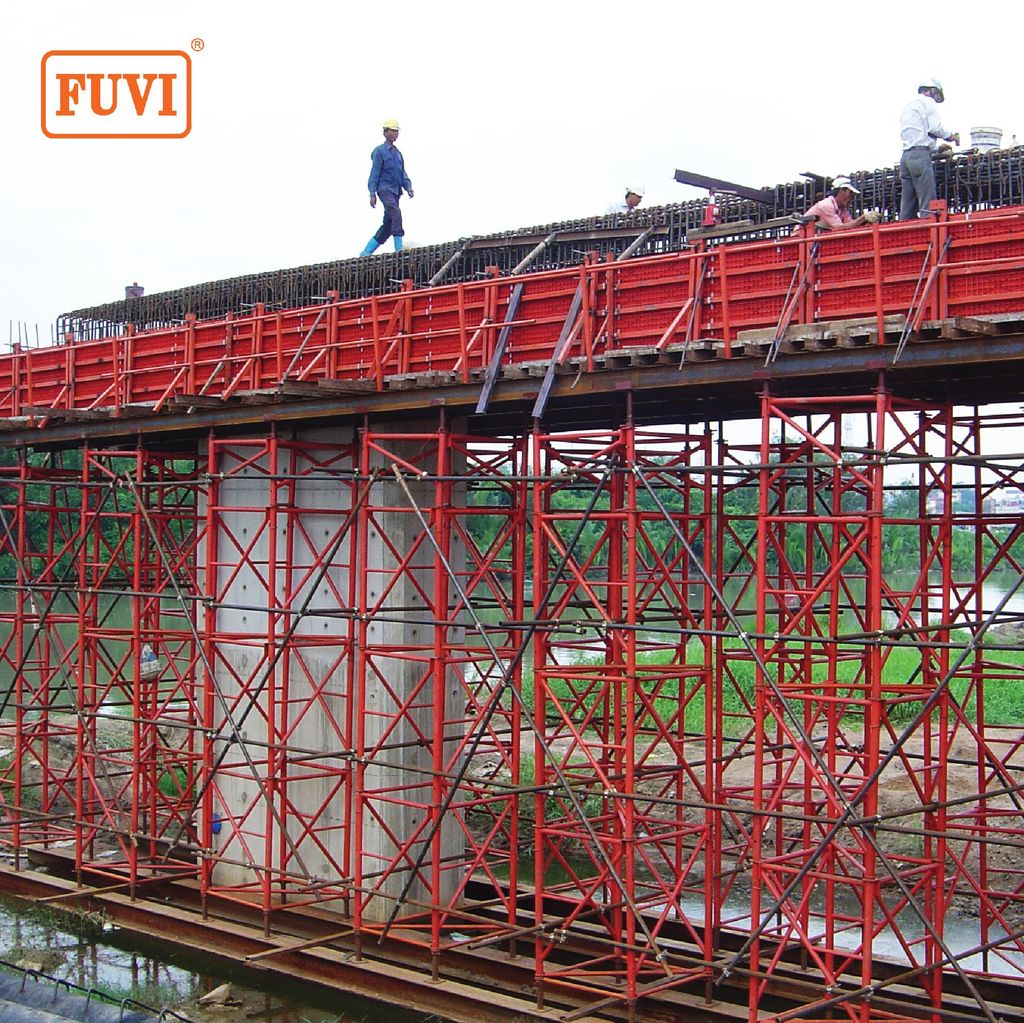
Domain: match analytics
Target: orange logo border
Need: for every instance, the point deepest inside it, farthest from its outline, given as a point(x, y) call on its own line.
point(117, 53)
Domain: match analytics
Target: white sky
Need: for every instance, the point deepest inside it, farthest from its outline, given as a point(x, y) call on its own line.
point(512, 114)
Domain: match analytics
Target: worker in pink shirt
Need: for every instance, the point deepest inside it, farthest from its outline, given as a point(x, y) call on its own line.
point(832, 213)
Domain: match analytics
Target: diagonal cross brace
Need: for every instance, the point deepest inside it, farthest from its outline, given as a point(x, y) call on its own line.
point(790, 304)
point(499, 349)
point(568, 330)
point(917, 303)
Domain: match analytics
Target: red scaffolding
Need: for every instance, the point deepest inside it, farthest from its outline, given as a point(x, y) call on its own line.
point(720, 713)
point(639, 698)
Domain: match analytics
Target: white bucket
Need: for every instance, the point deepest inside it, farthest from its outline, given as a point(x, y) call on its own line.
point(986, 138)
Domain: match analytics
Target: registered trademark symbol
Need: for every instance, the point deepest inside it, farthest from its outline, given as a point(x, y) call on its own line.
point(197, 44)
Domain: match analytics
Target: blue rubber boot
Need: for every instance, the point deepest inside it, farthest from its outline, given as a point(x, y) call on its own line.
point(371, 246)
point(398, 243)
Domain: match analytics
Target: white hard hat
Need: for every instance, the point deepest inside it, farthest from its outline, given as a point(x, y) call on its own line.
point(933, 83)
point(635, 190)
point(844, 182)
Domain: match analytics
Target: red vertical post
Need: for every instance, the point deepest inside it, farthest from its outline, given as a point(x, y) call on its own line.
point(273, 837)
point(878, 281)
point(358, 688)
point(406, 320)
point(208, 638)
point(441, 525)
point(625, 590)
point(378, 352)
point(806, 311)
point(20, 624)
point(587, 282)
point(128, 365)
point(190, 353)
point(83, 691)
point(460, 295)
point(762, 719)
point(721, 258)
point(144, 766)
point(261, 357)
point(70, 389)
point(945, 232)
point(541, 946)
point(332, 338)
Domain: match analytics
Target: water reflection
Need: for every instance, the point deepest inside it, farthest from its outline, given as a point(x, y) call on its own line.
point(123, 965)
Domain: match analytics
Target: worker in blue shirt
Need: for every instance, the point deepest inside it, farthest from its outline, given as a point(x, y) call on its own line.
point(387, 179)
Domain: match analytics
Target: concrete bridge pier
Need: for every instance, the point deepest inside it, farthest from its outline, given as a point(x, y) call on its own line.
point(341, 709)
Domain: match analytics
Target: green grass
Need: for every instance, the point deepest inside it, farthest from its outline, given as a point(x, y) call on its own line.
point(172, 783)
point(1002, 674)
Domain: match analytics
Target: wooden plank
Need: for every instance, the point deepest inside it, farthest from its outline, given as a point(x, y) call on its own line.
point(979, 325)
point(824, 342)
point(298, 389)
point(74, 415)
point(44, 410)
point(703, 351)
point(258, 397)
point(644, 358)
point(845, 339)
point(346, 386)
point(894, 321)
point(196, 401)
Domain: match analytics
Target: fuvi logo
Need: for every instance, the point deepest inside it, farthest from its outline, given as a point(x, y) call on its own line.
point(116, 94)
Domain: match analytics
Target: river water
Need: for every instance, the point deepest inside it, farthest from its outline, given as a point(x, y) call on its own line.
point(124, 965)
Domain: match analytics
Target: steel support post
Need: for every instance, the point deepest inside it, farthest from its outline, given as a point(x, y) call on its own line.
point(621, 683)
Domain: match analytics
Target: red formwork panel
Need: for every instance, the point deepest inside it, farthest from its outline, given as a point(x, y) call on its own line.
point(541, 316)
point(986, 275)
point(646, 303)
point(967, 264)
point(754, 285)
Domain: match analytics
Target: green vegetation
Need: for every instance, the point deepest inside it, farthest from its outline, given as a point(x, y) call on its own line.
point(173, 784)
point(1004, 697)
point(143, 993)
point(63, 508)
point(906, 524)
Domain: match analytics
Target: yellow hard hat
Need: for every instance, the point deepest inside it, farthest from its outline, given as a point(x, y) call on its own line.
point(392, 124)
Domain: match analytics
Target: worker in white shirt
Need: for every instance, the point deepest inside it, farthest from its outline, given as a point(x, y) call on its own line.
point(920, 131)
point(632, 199)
